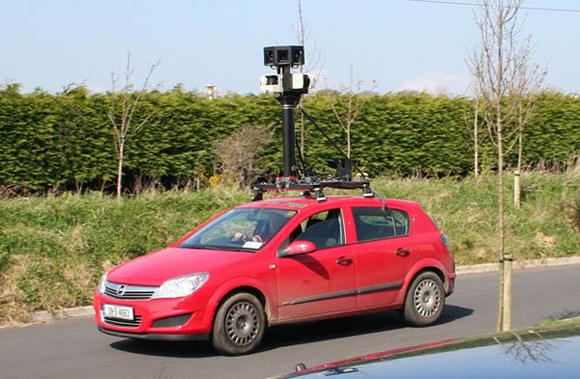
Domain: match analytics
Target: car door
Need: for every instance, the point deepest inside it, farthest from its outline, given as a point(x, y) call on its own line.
point(383, 254)
point(321, 282)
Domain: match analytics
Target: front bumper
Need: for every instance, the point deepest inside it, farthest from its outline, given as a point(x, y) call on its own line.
point(168, 319)
point(155, 336)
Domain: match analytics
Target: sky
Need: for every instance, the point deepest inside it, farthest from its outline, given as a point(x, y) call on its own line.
point(388, 45)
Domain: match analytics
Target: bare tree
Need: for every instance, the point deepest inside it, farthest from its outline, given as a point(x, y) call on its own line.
point(499, 65)
point(122, 115)
point(347, 106)
point(239, 161)
point(476, 134)
point(527, 87)
point(476, 139)
point(314, 60)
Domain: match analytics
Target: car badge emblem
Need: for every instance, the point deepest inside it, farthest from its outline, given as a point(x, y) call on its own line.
point(121, 290)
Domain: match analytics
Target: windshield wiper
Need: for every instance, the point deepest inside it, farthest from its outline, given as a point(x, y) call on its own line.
point(204, 247)
point(213, 247)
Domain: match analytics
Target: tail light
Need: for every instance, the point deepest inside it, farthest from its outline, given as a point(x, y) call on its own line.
point(445, 241)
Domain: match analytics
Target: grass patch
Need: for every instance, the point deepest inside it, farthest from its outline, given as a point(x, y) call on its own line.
point(53, 250)
point(467, 211)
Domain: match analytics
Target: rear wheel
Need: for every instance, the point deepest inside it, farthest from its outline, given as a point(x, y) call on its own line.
point(239, 325)
point(425, 300)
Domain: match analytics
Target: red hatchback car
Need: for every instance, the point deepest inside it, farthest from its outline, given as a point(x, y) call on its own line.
point(281, 261)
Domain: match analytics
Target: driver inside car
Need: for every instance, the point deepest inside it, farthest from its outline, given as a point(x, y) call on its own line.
point(264, 230)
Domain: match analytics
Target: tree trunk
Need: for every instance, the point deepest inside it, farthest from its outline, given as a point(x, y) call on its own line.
point(476, 142)
point(501, 310)
point(504, 319)
point(302, 134)
point(120, 169)
point(507, 308)
point(348, 141)
point(517, 189)
point(517, 178)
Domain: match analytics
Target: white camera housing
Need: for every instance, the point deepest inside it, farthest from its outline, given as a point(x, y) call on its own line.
point(279, 83)
point(271, 83)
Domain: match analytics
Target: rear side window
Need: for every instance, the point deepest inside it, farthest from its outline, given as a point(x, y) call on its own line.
point(374, 223)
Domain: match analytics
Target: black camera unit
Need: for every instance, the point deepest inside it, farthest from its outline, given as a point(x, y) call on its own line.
point(289, 88)
point(279, 56)
point(283, 58)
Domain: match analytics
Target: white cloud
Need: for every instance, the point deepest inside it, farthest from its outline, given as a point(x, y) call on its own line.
point(437, 83)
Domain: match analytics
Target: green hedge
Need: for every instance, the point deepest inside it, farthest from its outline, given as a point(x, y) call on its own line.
point(64, 141)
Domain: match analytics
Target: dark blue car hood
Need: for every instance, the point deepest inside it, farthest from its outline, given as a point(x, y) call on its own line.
point(543, 352)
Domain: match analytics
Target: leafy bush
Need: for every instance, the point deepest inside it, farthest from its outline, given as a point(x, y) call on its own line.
point(63, 142)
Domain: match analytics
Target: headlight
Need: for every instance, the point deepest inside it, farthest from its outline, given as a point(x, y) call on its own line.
point(103, 282)
point(179, 287)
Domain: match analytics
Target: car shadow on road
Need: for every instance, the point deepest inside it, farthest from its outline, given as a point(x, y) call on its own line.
point(347, 327)
point(454, 312)
point(196, 349)
point(291, 335)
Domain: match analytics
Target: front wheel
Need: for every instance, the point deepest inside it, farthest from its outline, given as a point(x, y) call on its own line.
point(425, 300)
point(239, 325)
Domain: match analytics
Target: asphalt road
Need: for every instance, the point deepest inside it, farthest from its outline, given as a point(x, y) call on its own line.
point(75, 349)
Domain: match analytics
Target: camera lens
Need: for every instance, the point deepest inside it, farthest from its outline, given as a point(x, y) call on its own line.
point(269, 57)
point(271, 80)
point(297, 56)
point(283, 56)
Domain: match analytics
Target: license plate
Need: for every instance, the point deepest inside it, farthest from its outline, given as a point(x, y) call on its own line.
point(118, 311)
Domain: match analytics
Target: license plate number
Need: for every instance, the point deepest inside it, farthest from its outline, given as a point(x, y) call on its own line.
point(118, 311)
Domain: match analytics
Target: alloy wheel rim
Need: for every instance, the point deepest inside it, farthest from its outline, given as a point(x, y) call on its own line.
point(242, 323)
point(427, 298)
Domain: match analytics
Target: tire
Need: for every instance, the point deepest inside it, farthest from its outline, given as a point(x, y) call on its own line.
point(425, 300)
point(239, 325)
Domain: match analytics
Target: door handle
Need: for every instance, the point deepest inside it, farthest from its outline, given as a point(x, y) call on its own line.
point(344, 261)
point(403, 252)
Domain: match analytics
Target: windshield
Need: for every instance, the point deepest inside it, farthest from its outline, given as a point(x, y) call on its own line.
point(243, 229)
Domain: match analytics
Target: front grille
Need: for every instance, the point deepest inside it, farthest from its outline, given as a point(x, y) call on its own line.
point(171, 322)
point(128, 292)
point(124, 323)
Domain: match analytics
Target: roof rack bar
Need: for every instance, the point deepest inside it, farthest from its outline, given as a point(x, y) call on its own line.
point(312, 187)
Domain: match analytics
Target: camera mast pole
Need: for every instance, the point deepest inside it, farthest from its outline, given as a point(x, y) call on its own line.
point(289, 88)
point(288, 102)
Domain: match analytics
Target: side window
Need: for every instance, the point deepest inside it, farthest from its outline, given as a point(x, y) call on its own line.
point(324, 229)
point(373, 223)
point(401, 220)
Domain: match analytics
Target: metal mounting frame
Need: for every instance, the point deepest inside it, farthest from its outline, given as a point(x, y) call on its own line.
point(294, 178)
point(308, 187)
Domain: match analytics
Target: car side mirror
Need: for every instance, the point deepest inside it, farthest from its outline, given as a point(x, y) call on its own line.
point(296, 248)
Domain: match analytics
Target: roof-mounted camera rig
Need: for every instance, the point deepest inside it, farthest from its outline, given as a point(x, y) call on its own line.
point(289, 88)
